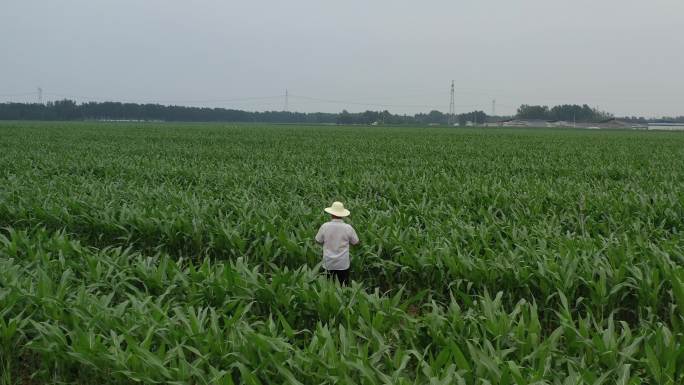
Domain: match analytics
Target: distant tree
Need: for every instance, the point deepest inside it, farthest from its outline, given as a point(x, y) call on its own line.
point(386, 118)
point(70, 110)
point(436, 117)
point(567, 112)
point(583, 113)
point(344, 118)
point(533, 112)
point(462, 120)
point(479, 117)
point(65, 110)
point(369, 117)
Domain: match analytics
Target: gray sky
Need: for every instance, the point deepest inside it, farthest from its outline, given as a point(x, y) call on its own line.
point(624, 56)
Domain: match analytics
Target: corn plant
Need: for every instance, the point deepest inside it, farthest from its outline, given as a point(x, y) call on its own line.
point(184, 254)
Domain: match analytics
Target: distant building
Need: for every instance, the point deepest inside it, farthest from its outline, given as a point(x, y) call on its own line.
point(617, 124)
point(524, 123)
point(666, 126)
point(606, 124)
point(561, 123)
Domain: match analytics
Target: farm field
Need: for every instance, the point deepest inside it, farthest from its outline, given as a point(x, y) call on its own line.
point(184, 254)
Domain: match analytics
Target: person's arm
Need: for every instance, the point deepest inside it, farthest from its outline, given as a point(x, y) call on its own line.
point(320, 237)
point(353, 238)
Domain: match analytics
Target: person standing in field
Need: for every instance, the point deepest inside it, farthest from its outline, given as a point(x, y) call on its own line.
point(336, 236)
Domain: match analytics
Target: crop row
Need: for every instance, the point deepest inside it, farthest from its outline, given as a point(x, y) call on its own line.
point(185, 254)
point(71, 312)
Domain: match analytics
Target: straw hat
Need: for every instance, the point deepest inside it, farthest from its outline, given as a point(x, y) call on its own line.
point(337, 209)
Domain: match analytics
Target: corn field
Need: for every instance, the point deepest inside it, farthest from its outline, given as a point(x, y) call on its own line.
point(184, 254)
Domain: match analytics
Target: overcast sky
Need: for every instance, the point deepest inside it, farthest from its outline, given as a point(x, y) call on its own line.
point(624, 56)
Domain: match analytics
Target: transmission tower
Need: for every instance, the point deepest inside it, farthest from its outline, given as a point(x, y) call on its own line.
point(452, 106)
point(286, 101)
point(40, 95)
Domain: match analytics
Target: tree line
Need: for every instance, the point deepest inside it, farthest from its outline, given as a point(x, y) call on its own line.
point(432, 117)
point(70, 110)
point(582, 113)
point(566, 112)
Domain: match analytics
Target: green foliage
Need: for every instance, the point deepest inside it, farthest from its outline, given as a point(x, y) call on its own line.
point(70, 110)
point(183, 254)
point(566, 112)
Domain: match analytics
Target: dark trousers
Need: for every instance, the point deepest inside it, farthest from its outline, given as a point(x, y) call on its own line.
point(342, 276)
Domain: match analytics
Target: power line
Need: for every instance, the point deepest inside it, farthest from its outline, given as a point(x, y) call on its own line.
point(20, 94)
point(39, 93)
point(166, 101)
point(362, 103)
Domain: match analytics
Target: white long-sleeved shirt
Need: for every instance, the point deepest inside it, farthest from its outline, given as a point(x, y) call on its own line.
point(336, 236)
